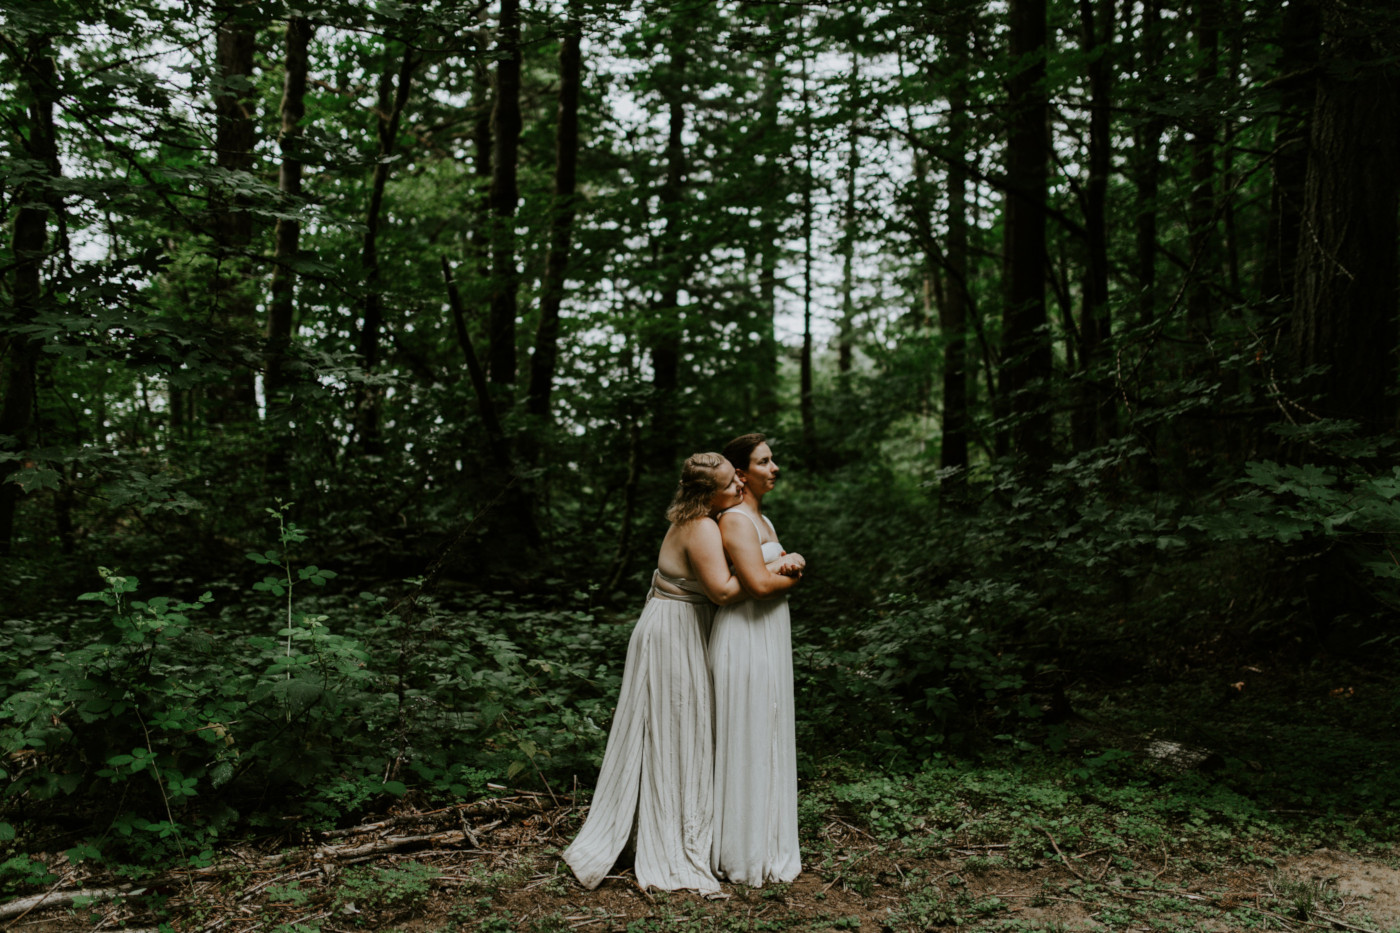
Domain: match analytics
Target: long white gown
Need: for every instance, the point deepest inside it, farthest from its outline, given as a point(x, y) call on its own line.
point(755, 739)
point(658, 767)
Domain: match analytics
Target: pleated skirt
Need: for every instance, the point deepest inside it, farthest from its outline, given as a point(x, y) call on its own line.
point(755, 834)
point(657, 779)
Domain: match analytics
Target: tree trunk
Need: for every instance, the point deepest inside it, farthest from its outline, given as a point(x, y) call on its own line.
point(850, 223)
point(666, 339)
point(1147, 144)
point(806, 402)
point(953, 311)
point(287, 243)
point(1344, 316)
point(234, 103)
point(505, 195)
point(1200, 207)
point(1096, 422)
point(770, 194)
point(543, 362)
point(1025, 358)
point(1299, 43)
point(392, 99)
point(18, 351)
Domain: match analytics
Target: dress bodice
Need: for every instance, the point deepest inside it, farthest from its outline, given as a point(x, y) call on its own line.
point(772, 550)
point(694, 592)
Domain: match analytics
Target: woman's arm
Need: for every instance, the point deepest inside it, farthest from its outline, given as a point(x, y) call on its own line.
point(746, 554)
point(705, 549)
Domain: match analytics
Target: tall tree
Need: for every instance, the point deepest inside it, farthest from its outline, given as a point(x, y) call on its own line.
point(394, 84)
point(1298, 45)
point(1025, 359)
point(953, 312)
point(1344, 315)
point(1146, 160)
point(1200, 204)
point(505, 196)
point(287, 239)
point(806, 400)
point(232, 286)
point(1094, 423)
point(19, 349)
point(666, 339)
point(850, 226)
point(544, 359)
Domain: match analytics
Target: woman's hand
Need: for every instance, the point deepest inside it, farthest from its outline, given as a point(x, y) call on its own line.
point(788, 565)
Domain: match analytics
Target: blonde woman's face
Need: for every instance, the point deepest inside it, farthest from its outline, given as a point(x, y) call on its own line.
point(731, 490)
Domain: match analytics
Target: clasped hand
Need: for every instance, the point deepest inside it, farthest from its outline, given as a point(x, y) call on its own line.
point(789, 565)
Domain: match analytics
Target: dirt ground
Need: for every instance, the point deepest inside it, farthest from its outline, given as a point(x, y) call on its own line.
point(493, 866)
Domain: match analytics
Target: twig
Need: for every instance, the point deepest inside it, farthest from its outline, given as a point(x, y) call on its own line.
point(1063, 860)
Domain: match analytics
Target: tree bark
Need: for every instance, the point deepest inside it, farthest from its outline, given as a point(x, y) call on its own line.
point(954, 310)
point(234, 103)
point(850, 223)
point(505, 195)
point(666, 339)
point(544, 360)
point(1025, 359)
point(806, 401)
point(19, 352)
point(1299, 44)
point(1147, 144)
point(770, 195)
point(393, 96)
point(1095, 422)
point(1200, 207)
point(281, 314)
point(1344, 317)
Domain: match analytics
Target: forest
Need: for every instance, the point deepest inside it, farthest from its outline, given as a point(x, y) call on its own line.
point(349, 352)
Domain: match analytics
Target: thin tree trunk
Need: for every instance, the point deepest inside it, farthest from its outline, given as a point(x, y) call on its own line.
point(1025, 358)
point(806, 402)
point(851, 230)
point(1201, 202)
point(1095, 422)
point(18, 351)
point(1297, 89)
point(393, 96)
point(771, 194)
point(235, 48)
point(518, 505)
point(953, 312)
point(544, 360)
point(287, 243)
point(666, 341)
point(505, 195)
point(1147, 143)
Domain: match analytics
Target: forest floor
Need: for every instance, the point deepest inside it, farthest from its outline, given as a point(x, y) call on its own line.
point(511, 879)
point(1224, 800)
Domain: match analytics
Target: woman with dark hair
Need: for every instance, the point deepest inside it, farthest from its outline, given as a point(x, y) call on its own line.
point(755, 830)
point(658, 768)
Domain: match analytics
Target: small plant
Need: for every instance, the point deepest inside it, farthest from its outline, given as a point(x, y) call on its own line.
point(397, 889)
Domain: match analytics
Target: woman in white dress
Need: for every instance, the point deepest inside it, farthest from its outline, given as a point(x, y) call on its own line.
point(755, 834)
point(658, 768)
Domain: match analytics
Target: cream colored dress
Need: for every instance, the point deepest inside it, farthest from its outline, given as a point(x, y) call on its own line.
point(657, 780)
point(755, 739)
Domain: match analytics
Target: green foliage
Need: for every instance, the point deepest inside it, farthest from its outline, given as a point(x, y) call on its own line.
point(396, 889)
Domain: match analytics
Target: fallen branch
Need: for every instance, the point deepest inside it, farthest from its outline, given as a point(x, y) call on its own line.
point(22, 906)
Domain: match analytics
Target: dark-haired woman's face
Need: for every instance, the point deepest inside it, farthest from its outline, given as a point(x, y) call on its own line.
point(762, 474)
point(731, 490)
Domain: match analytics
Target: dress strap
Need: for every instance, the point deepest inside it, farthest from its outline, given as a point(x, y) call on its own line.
point(756, 526)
